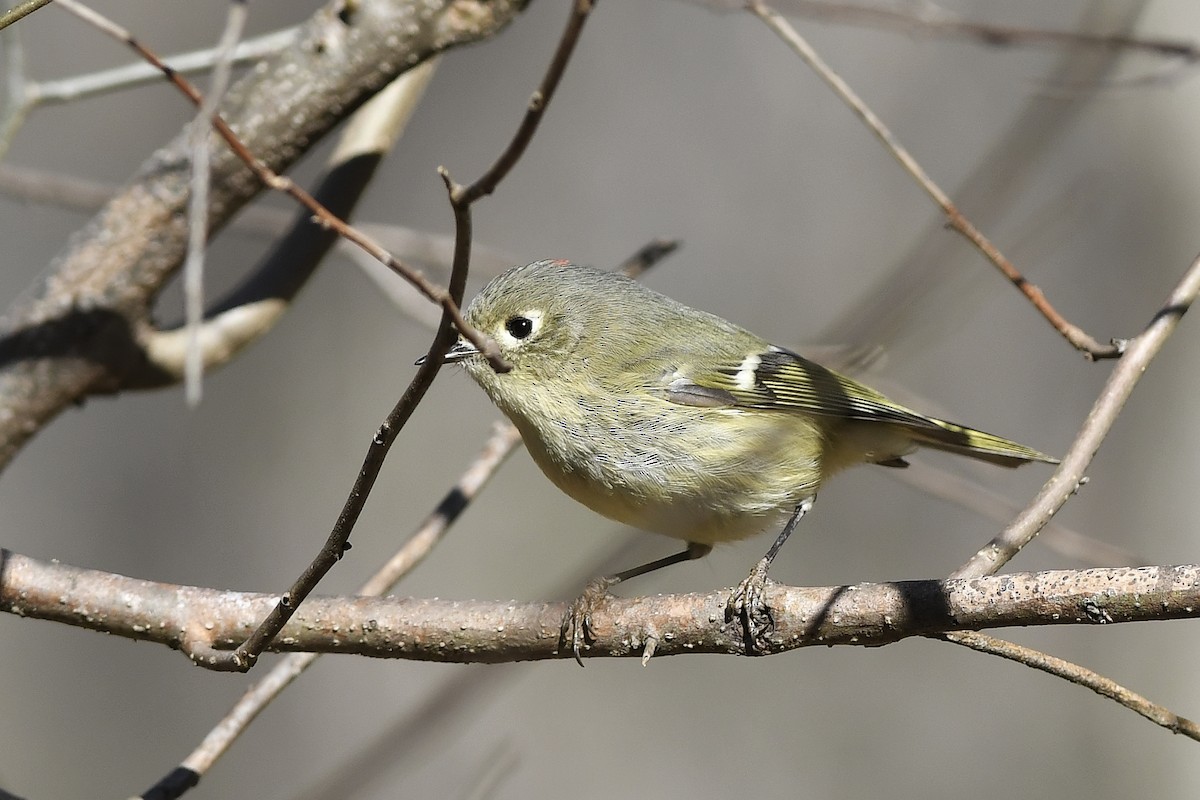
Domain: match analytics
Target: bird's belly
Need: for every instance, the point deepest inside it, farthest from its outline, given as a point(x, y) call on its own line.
point(691, 477)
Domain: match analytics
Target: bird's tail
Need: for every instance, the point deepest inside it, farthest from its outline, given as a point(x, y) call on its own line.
point(942, 435)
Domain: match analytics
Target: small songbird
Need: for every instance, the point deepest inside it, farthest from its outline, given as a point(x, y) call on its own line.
point(676, 421)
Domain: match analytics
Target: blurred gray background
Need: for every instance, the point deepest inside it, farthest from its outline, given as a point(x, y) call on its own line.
point(672, 121)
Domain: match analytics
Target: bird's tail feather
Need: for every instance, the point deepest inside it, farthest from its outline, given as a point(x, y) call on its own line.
point(987, 447)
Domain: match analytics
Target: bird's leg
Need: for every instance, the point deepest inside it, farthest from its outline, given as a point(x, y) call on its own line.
point(748, 601)
point(577, 623)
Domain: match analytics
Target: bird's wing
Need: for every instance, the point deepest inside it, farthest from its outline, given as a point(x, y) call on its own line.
point(778, 379)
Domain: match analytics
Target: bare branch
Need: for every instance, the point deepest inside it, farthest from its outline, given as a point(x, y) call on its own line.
point(1076, 674)
point(253, 308)
point(20, 11)
point(1078, 338)
point(140, 73)
point(14, 88)
point(54, 189)
point(452, 324)
point(1069, 476)
point(914, 18)
point(413, 552)
point(74, 336)
point(193, 265)
point(459, 631)
point(648, 256)
point(257, 697)
point(535, 111)
point(957, 488)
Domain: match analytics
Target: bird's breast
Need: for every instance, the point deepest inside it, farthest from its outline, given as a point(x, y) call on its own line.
point(700, 474)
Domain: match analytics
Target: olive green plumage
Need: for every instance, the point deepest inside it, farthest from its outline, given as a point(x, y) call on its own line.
point(674, 420)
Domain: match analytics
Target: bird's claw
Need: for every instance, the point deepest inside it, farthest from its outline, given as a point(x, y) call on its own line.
point(748, 605)
point(576, 626)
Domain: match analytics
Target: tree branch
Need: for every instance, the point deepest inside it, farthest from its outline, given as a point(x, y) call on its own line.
point(1052, 665)
point(1069, 476)
point(254, 307)
point(20, 11)
point(1078, 337)
point(74, 335)
point(475, 631)
point(197, 246)
point(934, 20)
point(337, 542)
point(139, 73)
point(272, 179)
point(503, 440)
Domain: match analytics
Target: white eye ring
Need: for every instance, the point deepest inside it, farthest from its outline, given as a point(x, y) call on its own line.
point(520, 328)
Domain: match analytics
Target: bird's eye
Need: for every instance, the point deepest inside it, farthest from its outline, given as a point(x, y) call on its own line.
point(519, 327)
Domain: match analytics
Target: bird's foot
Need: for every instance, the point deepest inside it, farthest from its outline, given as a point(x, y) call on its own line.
point(576, 626)
point(748, 605)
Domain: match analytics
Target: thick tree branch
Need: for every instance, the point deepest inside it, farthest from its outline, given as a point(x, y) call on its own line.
point(74, 336)
point(411, 245)
point(274, 180)
point(477, 631)
point(260, 301)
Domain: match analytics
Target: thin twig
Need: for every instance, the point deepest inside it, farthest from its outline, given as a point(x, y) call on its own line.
point(14, 93)
point(252, 309)
point(647, 257)
point(23, 95)
point(20, 11)
point(413, 552)
point(140, 73)
point(429, 533)
point(1075, 673)
point(965, 492)
point(898, 16)
point(281, 183)
point(337, 542)
point(1069, 476)
point(536, 109)
point(1078, 338)
point(193, 265)
point(233, 321)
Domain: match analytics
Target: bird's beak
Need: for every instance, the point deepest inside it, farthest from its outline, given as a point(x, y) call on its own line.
point(461, 349)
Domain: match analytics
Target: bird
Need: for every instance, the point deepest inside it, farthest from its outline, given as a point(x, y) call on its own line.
point(676, 421)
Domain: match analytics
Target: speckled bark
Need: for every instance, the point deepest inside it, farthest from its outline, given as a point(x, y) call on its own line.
point(193, 618)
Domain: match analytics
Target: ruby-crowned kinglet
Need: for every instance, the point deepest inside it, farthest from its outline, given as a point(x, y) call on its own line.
point(676, 421)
